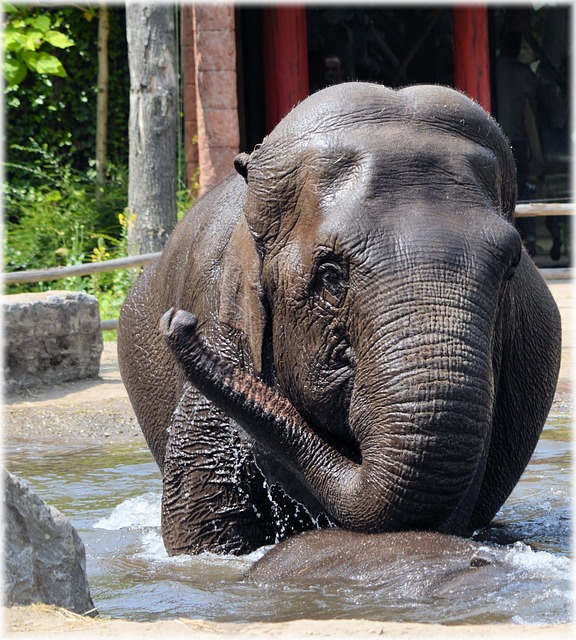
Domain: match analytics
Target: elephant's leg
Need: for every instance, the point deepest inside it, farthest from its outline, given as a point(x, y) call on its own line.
point(214, 497)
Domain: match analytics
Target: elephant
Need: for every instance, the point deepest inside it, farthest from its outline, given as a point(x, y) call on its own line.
point(412, 564)
point(346, 332)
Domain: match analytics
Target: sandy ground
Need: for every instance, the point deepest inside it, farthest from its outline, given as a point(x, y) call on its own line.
point(99, 411)
point(41, 621)
point(89, 410)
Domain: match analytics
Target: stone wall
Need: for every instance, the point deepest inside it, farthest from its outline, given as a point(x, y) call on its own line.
point(50, 337)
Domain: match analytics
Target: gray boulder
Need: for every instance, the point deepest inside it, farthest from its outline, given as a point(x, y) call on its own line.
point(49, 338)
point(45, 560)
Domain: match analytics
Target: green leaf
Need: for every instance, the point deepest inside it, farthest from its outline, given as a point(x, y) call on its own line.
point(41, 22)
point(53, 196)
point(57, 39)
point(13, 40)
point(14, 71)
point(30, 58)
point(33, 40)
point(47, 63)
point(8, 7)
point(89, 14)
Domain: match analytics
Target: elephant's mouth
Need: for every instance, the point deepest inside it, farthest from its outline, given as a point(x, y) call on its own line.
point(329, 417)
point(343, 441)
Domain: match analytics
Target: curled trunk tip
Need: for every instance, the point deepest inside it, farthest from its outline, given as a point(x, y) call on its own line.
point(177, 321)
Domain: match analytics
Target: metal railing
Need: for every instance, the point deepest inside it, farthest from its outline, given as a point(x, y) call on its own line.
point(534, 209)
point(88, 269)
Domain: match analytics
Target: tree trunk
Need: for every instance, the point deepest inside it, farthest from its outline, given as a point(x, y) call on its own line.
point(153, 125)
point(102, 99)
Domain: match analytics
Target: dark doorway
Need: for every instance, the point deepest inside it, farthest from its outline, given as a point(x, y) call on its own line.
point(250, 64)
point(389, 45)
point(531, 101)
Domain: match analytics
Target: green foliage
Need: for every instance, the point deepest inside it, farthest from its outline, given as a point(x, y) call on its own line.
point(58, 111)
point(77, 242)
point(24, 39)
point(53, 214)
point(55, 217)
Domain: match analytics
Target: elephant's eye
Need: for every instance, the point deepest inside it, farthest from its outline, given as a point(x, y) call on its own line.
point(330, 281)
point(330, 274)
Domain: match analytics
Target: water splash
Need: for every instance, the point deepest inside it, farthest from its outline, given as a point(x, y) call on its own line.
point(539, 564)
point(153, 551)
point(133, 513)
point(142, 515)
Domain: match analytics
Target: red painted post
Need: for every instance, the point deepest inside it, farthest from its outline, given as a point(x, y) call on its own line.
point(285, 60)
point(471, 53)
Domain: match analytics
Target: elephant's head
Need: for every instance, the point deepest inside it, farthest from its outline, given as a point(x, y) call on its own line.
point(380, 282)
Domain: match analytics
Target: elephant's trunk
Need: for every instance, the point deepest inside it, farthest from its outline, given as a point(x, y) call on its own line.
point(422, 410)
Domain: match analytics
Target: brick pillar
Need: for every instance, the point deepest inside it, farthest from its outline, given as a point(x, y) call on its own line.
point(189, 94)
point(216, 90)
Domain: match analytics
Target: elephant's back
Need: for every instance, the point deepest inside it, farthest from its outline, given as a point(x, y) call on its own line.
point(414, 562)
point(186, 276)
point(191, 263)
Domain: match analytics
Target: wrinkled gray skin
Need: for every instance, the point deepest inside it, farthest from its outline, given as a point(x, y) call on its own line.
point(360, 331)
point(405, 563)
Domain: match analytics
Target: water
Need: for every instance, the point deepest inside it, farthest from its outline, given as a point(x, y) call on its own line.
point(112, 496)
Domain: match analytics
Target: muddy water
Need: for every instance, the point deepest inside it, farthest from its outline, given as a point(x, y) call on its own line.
point(112, 496)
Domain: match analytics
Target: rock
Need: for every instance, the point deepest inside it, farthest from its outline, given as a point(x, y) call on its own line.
point(50, 337)
point(45, 560)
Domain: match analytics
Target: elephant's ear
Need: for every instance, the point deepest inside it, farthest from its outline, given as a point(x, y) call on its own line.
point(530, 343)
point(241, 293)
point(241, 164)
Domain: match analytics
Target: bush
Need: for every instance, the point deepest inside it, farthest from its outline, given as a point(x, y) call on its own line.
point(54, 215)
point(110, 288)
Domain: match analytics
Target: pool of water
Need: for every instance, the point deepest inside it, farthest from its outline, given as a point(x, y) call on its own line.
point(112, 496)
